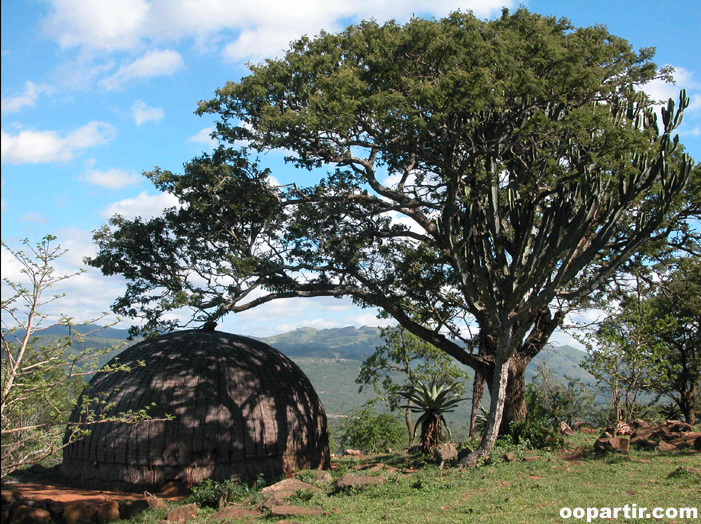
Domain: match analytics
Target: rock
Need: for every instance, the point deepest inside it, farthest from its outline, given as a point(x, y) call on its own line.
point(621, 428)
point(639, 423)
point(531, 459)
point(289, 486)
point(352, 453)
point(235, 512)
point(643, 443)
point(350, 480)
point(679, 426)
point(8, 496)
point(509, 456)
point(29, 515)
point(108, 512)
point(666, 446)
point(182, 513)
point(444, 452)
point(565, 429)
point(464, 452)
point(294, 511)
point(321, 476)
point(278, 492)
point(618, 444)
point(133, 507)
point(75, 512)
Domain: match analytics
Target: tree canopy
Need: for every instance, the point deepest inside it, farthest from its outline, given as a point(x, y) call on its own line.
point(484, 173)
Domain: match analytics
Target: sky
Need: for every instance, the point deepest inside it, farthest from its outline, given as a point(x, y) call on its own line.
point(95, 92)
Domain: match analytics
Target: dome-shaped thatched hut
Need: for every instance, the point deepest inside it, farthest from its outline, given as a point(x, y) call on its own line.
point(240, 407)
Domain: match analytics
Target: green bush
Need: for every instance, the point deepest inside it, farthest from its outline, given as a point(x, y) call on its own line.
point(210, 492)
point(372, 432)
point(535, 433)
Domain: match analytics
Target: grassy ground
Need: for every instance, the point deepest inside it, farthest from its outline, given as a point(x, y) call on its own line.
point(505, 492)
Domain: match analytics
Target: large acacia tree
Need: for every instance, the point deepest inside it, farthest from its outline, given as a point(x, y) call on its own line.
point(477, 173)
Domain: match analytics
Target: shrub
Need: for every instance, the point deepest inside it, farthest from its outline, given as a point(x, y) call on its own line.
point(210, 492)
point(373, 432)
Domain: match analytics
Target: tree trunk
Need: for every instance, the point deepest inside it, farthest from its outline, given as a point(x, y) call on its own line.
point(409, 425)
point(688, 405)
point(515, 409)
point(496, 409)
point(477, 393)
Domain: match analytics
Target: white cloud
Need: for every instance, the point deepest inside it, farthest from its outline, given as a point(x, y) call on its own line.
point(26, 99)
point(30, 146)
point(154, 63)
point(143, 113)
point(203, 137)
point(110, 179)
point(88, 295)
point(35, 218)
point(661, 91)
point(262, 28)
point(143, 205)
point(108, 24)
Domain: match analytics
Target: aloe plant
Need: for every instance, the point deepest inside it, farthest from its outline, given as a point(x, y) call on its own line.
point(432, 401)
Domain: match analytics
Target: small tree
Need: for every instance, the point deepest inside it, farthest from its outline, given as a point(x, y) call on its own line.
point(555, 400)
point(432, 401)
point(367, 430)
point(677, 357)
point(620, 351)
point(405, 359)
point(41, 382)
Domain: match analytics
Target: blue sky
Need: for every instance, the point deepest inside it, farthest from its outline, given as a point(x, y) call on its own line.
point(93, 93)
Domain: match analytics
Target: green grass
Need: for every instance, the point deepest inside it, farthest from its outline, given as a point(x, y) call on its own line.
point(505, 492)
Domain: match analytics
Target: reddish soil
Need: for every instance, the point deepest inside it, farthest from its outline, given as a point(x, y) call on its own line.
point(40, 489)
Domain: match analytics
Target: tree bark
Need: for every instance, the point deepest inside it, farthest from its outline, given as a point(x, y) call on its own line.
point(515, 409)
point(477, 393)
point(498, 396)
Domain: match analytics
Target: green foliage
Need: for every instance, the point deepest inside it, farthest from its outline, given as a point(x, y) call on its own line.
point(478, 171)
point(210, 493)
point(651, 341)
point(535, 433)
point(406, 359)
point(432, 400)
point(677, 356)
point(43, 377)
point(553, 400)
point(369, 431)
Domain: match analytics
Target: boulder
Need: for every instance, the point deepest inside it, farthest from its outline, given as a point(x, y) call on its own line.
point(132, 508)
point(352, 453)
point(294, 511)
point(290, 486)
point(29, 515)
point(349, 480)
point(464, 452)
point(321, 476)
point(445, 452)
point(617, 444)
point(666, 446)
point(108, 512)
point(509, 456)
point(75, 512)
point(182, 513)
point(565, 429)
point(234, 513)
point(639, 423)
point(278, 492)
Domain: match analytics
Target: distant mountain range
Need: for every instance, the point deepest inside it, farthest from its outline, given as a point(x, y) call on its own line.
point(331, 358)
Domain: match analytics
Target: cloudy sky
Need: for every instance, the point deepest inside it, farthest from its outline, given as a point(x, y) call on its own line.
point(95, 92)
